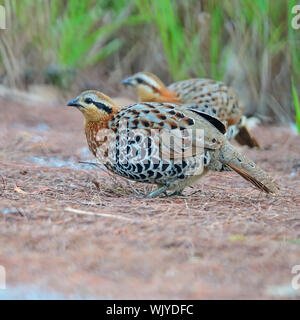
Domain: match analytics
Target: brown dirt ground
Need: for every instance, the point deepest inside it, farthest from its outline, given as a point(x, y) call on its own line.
point(225, 241)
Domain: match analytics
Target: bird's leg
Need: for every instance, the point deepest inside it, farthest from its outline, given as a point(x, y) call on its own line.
point(156, 192)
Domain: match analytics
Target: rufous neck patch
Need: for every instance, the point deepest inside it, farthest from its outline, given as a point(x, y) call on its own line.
point(159, 95)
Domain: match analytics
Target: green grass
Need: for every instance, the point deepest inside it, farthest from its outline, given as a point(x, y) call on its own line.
point(75, 34)
point(294, 49)
point(296, 105)
point(70, 35)
point(179, 47)
point(247, 42)
point(293, 40)
point(216, 28)
point(80, 37)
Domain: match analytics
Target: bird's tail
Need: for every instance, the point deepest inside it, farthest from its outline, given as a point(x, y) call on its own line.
point(247, 169)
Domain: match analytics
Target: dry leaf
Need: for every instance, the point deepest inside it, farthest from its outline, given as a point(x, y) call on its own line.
point(19, 190)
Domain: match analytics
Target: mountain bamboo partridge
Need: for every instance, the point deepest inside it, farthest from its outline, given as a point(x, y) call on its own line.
point(165, 144)
point(212, 97)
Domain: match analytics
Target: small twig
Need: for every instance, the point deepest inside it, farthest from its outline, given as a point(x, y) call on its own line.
point(106, 215)
point(187, 207)
point(133, 189)
point(195, 192)
point(91, 163)
point(3, 183)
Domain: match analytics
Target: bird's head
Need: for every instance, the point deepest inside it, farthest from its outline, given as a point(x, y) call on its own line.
point(150, 88)
point(94, 105)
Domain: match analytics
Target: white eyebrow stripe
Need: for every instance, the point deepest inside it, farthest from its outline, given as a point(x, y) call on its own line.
point(148, 80)
point(92, 96)
point(95, 98)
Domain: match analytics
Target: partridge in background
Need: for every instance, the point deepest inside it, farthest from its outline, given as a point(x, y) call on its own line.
point(211, 97)
point(122, 139)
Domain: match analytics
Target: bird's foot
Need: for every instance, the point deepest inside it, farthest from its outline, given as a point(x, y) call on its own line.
point(157, 192)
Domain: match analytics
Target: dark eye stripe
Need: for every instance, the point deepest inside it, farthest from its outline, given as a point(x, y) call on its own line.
point(140, 81)
point(102, 106)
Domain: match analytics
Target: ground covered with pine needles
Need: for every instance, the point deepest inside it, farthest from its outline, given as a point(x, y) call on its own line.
point(73, 230)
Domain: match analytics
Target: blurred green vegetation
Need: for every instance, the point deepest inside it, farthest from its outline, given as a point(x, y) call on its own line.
point(297, 105)
point(250, 44)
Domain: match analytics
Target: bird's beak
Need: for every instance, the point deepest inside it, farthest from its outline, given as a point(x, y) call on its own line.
point(127, 81)
point(74, 103)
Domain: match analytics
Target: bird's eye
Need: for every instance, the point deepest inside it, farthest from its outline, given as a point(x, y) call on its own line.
point(88, 100)
point(139, 80)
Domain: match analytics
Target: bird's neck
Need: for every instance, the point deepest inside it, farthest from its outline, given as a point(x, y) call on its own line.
point(96, 131)
point(161, 95)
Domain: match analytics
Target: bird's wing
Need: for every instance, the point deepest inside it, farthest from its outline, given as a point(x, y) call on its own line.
point(218, 124)
point(177, 130)
point(211, 97)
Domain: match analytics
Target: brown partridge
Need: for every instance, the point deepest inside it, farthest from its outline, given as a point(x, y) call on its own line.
point(134, 142)
point(210, 96)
